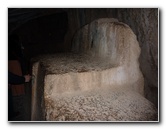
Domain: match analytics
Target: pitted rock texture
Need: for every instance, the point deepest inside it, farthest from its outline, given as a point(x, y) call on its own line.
point(97, 105)
point(62, 63)
point(144, 22)
point(99, 81)
point(114, 42)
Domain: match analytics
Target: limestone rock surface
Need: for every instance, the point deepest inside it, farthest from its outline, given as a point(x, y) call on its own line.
point(99, 81)
point(114, 104)
point(114, 43)
point(145, 22)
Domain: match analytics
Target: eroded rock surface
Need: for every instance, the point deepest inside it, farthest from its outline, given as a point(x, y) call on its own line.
point(100, 105)
point(114, 42)
point(144, 22)
point(99, 80)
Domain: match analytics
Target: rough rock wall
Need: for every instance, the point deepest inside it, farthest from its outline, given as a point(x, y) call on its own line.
point(113, 42)
point(112, 93)
point(144, 23)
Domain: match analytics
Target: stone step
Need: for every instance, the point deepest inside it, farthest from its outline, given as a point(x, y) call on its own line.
point(99, 79)
point(110, 104)
point(84, 96)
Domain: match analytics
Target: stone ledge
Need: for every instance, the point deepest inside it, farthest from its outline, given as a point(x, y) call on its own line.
point(106, 58)
point(114, 104)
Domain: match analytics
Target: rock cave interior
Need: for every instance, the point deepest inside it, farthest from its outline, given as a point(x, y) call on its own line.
point(89, 64)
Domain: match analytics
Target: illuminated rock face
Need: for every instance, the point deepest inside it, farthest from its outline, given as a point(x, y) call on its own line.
point(115, 44)
point(111, 104)
point(99, 81)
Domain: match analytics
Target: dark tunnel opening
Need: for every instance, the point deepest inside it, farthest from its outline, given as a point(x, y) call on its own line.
point(39, 32)
point(44, 35)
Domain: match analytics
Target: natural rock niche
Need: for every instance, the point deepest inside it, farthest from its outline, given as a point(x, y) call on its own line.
point(99, 80)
